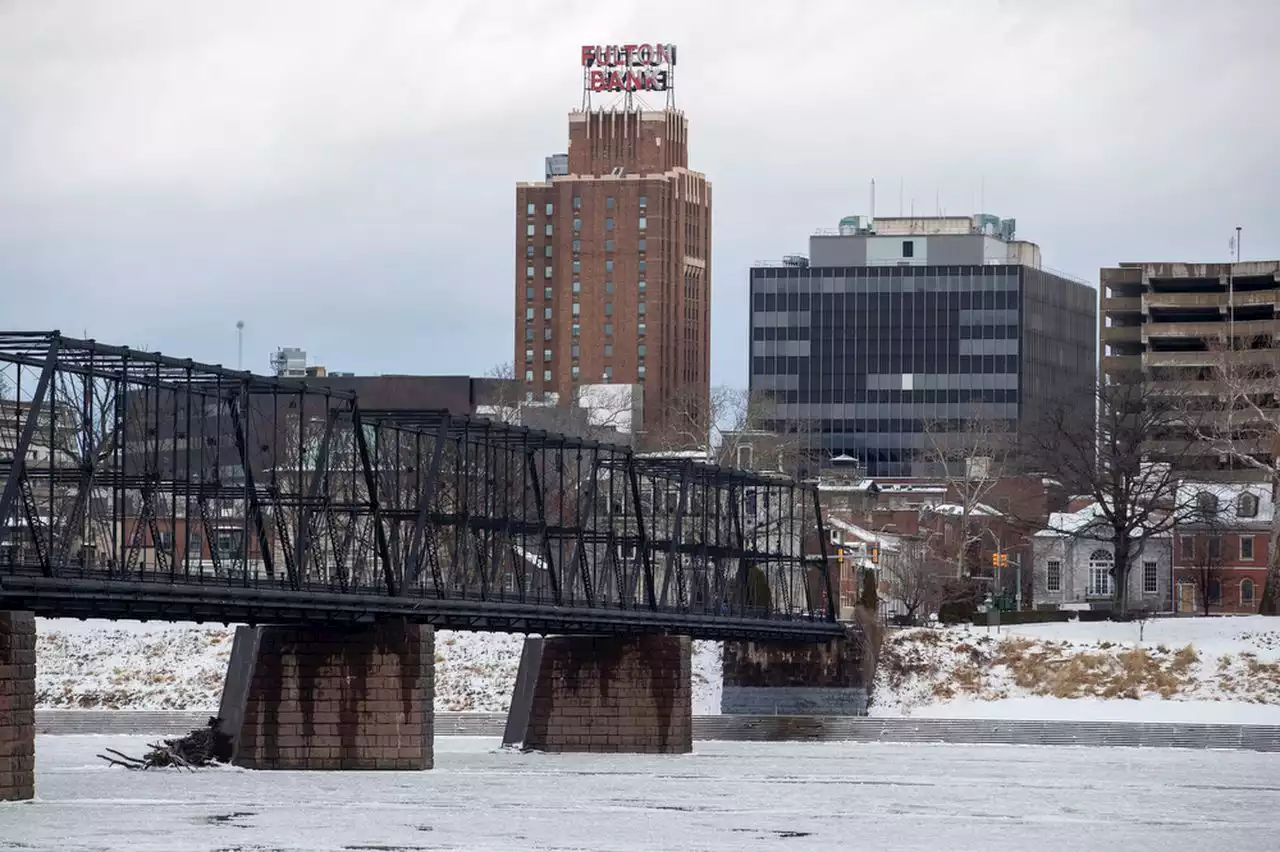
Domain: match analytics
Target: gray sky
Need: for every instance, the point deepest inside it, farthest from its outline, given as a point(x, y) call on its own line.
point(341, 174)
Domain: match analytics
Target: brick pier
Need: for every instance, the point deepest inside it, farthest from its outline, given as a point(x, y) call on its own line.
point(17, 705)
point(605, 694)
point(798, 678)
point(333, 698)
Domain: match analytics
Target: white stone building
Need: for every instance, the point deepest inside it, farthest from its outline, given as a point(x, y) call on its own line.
point(1073, 560)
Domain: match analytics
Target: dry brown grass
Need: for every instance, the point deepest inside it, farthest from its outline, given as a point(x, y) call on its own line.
point(941, 665)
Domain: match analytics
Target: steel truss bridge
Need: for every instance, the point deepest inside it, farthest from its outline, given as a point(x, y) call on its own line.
point(137, 485)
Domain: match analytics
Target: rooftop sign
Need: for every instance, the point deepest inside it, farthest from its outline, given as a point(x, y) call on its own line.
point(628, 67)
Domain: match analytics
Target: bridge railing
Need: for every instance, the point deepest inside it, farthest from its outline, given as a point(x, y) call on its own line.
point(126, 466)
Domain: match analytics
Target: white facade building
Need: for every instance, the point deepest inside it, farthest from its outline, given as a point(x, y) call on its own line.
point(1073, 561)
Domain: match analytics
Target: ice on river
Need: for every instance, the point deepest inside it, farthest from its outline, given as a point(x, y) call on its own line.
point(724, 796)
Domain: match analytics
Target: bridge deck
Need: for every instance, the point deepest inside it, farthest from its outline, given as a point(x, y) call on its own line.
point(90, 598)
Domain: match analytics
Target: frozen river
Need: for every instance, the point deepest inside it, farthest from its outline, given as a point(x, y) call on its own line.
point(725, 796)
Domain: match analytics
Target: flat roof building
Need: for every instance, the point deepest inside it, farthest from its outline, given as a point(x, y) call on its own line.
point(1166, 325)
point(892, 328)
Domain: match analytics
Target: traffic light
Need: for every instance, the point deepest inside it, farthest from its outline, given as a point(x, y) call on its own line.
point(875, 554)
point(1000, 560)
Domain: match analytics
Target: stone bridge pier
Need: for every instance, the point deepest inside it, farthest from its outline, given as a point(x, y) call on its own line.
point(17, 705)
point(329, 697)
point(831, 678)
point(604, 694)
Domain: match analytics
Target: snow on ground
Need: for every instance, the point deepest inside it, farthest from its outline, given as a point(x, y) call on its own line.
point(1223, 670)
point(722, 798)
point(122, 665)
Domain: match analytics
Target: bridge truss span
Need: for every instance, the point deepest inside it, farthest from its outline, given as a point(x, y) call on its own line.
point(139, 485)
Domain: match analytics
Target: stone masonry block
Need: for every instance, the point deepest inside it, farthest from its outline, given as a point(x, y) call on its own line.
point(330, 698)
point(17, 703)
point(607, 694)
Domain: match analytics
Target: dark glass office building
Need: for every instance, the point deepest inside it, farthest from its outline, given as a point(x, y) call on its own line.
point(894, 327)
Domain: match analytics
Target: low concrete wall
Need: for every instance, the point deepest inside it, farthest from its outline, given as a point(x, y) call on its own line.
point(772, 728)
point(798, 678)
point(793, 701)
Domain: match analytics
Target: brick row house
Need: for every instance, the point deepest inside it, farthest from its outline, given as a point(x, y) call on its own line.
point(1222, 547)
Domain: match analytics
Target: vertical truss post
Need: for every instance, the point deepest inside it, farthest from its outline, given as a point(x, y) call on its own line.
point(302, 544)
point(239, 425)
point(540, 504)
point(677, 532)
point(586, 501)
point(642, 541)
point(744, 566)
point(371, 483)
point(425, 497)
point(18, 472)
point(822, 549)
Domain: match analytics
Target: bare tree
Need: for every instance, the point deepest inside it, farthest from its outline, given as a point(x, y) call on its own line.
point(915, 575)
point(970, 455)
point(599, 412)
point(1096, 441)
point(1207, 552)
point(749, 432)
point(1244, 426)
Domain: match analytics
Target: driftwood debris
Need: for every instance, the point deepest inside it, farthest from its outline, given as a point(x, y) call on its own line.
point(205, 746)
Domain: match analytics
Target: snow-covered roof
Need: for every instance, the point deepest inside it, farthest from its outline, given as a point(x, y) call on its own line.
point(852, 530)
point(957, 509)
point(1228, 495)
point(1088, 522)
point(912, 487)
point(864, 486)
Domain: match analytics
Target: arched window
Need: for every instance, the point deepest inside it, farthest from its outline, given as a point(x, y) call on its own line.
point(1207, 503)
point(1247, 505)
point(1100, 565)
point(1246, 592)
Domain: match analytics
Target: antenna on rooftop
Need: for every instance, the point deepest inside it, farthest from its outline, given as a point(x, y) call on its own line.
point(239, 344)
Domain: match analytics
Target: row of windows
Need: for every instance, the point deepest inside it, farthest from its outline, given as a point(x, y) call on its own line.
point(1099, 578)
point(609, 203)
point(886, 300)
point(1008, 395)
point(1212, 549)
point(851, 376)
point(549, 293)
point(575, 330)
point(575, 352)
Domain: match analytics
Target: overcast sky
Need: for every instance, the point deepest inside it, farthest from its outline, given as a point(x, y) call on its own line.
point(341, 174)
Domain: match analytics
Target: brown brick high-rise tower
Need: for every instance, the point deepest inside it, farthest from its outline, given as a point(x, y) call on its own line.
point(613, 264)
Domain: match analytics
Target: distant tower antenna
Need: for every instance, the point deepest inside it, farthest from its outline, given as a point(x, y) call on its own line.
point(239, 344)
point(873, 201)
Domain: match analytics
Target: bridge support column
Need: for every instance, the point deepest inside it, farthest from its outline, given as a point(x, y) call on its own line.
point(609, 694)
point(17, 705)
point(797, 678)
point(333, 698)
